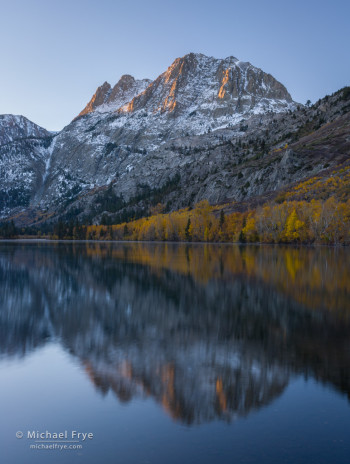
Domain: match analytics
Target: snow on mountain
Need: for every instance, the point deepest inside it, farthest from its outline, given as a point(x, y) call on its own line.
point(108, 99)
point(194, 95)
point(198, 93)
point(23, 149)
point(109, 139)
point(14, 128)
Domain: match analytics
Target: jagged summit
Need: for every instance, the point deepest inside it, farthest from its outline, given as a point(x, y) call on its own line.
point(198, 85)
point(107, 98)
point(215, 87)
point(141, 134)
point(98, 99)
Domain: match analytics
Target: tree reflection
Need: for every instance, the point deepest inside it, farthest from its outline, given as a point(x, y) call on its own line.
point(208, 331)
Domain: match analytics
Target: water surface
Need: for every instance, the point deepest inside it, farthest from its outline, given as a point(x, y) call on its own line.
point(175, 353)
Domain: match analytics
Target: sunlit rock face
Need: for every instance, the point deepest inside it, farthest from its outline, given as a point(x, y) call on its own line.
point(123, 137)
point(204, 90)
point(206, 128)
point(196, 86)
point(203, 335)
point(99, 98)
point(108, 99)
point(196, 94)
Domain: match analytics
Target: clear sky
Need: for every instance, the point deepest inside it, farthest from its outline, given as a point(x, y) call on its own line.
point(54, 54)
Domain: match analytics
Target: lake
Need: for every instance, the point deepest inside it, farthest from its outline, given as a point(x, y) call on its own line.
point(173, 353)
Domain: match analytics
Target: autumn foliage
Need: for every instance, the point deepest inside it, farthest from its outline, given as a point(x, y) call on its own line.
point(315, 221)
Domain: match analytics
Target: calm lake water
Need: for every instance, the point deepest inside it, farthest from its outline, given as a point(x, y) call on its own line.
point(174, 353)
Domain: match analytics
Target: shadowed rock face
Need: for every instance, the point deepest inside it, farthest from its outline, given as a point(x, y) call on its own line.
point(107, 143)
point(23, 153)
point(200, 333)
point(108, 99)
point(216, 129)
point(208, 86)
point(14, 128)
point(122, 136)
point(212, 88)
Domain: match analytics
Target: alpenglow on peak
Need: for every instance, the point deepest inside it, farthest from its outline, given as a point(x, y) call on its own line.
point(208, 90)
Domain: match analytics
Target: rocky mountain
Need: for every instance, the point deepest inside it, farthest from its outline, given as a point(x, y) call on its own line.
point(14, 128)
point(205, 128)
point(24, 148)
point(107, 98)
point(199, 93)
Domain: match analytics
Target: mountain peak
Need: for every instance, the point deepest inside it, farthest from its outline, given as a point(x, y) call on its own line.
point(99, 98)
point(17, 127)
point(127, 78)
point(108, 99)
point(217, 92)
point(227, 89)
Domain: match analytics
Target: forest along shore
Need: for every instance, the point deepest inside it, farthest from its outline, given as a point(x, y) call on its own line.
point(301, 222)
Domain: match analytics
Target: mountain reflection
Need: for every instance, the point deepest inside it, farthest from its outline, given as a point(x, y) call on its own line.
point(209, 331)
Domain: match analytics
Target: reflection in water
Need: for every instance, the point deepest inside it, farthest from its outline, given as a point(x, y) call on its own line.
point(209, 331)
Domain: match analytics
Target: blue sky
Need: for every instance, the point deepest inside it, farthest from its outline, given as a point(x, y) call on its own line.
point(56, 53)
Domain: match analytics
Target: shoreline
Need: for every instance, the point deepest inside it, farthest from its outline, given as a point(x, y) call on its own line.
point(294, 245)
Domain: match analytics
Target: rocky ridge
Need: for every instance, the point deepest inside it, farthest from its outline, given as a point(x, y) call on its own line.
point(108, 99)
point(14, 128)
point(205, 128)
